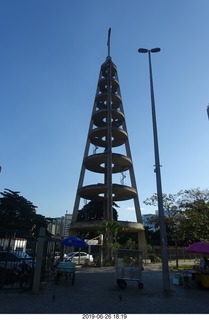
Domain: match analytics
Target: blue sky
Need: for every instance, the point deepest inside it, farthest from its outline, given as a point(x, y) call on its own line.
point(50, 57)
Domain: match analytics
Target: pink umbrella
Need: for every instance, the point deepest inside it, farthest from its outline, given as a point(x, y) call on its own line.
point(199, 248)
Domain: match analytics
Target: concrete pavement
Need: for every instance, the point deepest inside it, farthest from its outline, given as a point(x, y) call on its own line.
point(95, 291)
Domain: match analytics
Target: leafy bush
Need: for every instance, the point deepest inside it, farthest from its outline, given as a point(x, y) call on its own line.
point(154, 258)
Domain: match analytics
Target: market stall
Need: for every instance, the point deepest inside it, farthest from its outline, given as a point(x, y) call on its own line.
point(200, 274)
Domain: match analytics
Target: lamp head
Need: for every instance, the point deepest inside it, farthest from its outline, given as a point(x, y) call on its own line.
point(142, 50)
point(155, 50)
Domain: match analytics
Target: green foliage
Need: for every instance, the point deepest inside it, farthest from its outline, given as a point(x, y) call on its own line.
point(153, 257)
point(130, 244)
point(169, 202)
point(187, 216)
point(152, 237)
point(19, 214)
point(111, 227)
point(194, 218)
point(181, 267)
point(195, 222)
point(94, 211)
point(128, 240)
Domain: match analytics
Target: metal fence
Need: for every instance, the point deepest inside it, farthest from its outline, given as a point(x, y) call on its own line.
point(18, 256)
point(173, 253)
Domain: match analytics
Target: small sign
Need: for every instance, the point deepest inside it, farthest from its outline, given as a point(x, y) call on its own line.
point(92, 242)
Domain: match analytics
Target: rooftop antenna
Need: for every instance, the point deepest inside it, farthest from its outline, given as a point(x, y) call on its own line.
point(108, 41)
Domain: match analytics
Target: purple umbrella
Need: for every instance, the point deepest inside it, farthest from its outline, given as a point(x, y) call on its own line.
point(199, 248)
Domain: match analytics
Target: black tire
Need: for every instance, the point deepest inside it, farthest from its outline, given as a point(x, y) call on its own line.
point(121, 283)
point(140, 285)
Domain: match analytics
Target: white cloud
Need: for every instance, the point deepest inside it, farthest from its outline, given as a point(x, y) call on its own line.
point(130, 208)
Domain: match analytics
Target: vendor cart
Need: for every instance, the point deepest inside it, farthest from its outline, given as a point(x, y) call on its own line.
point(128, 267)
point(193, 278)
point(202, 280)
point(66, 270)
point(202, 272)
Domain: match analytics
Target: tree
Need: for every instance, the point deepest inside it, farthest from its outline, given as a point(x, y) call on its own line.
point(170, 209)
point(188, 197)
point(169, 202)
point(94, 211)
point(112, 229)
point(194, 205)
point(19, 214)
point(187, 215)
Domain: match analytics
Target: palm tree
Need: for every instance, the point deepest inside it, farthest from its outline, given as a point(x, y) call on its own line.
point(110, 230)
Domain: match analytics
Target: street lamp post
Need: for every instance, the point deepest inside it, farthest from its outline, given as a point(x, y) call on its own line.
point(163, 235)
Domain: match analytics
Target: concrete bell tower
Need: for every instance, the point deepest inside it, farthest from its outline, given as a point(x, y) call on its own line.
point(107, 154)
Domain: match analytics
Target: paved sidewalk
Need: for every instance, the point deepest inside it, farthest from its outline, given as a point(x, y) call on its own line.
point(95, 291)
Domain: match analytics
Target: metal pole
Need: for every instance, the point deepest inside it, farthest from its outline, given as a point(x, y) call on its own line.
point(39, 258)
point(108, 176)
point(163, 235)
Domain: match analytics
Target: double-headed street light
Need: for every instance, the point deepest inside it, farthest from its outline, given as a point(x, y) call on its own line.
point(163, 235)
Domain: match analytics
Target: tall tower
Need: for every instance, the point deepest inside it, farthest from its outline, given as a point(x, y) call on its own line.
point(108, 133)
